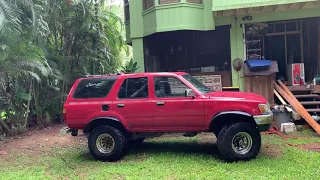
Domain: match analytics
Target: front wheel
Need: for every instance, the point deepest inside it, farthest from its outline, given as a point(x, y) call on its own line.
point(240, 141)
point(107, 143)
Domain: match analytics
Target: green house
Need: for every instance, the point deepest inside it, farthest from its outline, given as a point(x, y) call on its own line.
point(216, 36)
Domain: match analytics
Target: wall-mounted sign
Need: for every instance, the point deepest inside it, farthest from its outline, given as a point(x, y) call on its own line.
point(212, 81)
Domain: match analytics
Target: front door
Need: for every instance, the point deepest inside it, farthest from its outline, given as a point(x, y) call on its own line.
point(173, 111)
point(134, 105)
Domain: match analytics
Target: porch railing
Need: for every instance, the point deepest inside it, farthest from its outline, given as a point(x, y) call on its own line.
point(168, 1)
point(195, 1)
point(151, 3)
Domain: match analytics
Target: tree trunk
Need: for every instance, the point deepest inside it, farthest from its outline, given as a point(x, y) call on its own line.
point(5, 127)
point(28, 104)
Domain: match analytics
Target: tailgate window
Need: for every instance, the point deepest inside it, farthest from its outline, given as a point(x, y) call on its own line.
point(94, 88)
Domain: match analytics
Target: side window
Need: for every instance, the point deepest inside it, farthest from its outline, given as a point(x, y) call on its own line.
point(169, 87)
point(134, 88)
point(93, 88)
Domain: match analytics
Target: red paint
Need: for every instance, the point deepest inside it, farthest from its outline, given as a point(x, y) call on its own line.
point(178, 114)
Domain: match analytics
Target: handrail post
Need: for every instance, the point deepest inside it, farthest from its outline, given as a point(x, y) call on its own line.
point(156, 2)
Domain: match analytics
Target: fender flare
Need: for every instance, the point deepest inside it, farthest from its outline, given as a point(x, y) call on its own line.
point(230, 112)
point(97, 120)
point(215, 117)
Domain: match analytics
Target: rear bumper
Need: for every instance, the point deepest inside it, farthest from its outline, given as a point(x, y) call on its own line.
point(264, 121)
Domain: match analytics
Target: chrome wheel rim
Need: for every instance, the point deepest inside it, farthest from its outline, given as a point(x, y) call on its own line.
point(242, 143)
point(105, 143)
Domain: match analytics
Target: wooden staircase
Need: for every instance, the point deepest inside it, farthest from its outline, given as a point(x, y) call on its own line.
point(310, 101)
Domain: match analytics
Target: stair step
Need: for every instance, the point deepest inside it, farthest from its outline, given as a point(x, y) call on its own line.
point(310, 102)
point(301, 90)
point(307, 96)
point(313, 110)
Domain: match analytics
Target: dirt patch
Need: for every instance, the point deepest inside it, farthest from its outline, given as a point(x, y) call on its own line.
point(39, 141)
point(207, 138)
point(271, 150)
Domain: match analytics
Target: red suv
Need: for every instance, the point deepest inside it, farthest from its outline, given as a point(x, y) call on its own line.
point(115, 110)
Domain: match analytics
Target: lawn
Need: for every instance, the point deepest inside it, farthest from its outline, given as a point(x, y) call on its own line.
point(167, 157)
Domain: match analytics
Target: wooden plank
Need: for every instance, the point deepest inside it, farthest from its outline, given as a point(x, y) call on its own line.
point(281, 100)
point(297, 106)
point(283, 33)
point(284, 87)
point(319, 45)
point(285, 43)
point(301, 43)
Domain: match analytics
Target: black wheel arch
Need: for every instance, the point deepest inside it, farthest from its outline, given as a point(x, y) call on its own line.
point(99, 121)
point(229, 117)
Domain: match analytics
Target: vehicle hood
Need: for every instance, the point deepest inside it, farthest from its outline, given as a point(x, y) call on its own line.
point(235, 96)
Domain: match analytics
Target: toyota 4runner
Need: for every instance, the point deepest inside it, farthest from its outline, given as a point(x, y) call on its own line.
point(118, 110)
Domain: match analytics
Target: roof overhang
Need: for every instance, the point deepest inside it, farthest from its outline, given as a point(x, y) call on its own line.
point(269, 8)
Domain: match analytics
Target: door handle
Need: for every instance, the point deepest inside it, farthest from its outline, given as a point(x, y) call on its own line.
point(120, 105)
point(160, 103)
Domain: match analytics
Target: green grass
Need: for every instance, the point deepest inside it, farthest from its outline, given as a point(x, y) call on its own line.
point(167, 158)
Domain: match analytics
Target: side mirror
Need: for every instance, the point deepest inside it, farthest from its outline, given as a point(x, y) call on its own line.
point(189, 93)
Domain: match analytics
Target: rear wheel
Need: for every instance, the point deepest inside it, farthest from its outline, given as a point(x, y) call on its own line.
point(240, 141)
point(107, 143)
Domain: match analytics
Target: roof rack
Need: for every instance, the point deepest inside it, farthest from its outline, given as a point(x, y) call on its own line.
point(92, 75)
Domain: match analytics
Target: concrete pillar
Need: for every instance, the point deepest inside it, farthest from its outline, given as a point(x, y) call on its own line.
point(237, 51)
point(138, 53)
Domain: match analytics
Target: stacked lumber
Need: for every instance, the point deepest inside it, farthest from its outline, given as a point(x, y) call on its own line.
point(292, 100)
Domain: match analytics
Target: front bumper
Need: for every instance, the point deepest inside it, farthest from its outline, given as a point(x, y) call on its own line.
point(264, 121)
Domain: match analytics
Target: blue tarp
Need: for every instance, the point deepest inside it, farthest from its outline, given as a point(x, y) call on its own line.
point(256, 65)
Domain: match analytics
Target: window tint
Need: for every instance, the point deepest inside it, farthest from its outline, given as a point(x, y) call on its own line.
point(134, 88)
point(94, 88)
point(169, 87)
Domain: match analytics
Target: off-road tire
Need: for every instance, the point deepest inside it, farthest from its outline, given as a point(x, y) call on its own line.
point(120, 143)
point(225, 138)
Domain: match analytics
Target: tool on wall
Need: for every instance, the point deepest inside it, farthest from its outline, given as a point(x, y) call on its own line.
point(237, 66)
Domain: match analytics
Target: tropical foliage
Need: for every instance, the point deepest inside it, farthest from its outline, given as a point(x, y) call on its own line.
point(44, 46)
point(130, 67)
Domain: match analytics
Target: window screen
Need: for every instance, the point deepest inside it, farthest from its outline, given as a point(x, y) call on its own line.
point(94, 88)
point(134, 88)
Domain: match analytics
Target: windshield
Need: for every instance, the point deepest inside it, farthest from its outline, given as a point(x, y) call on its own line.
point(197, 84)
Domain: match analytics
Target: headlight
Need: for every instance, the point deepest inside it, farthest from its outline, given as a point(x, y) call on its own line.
point(264, 108)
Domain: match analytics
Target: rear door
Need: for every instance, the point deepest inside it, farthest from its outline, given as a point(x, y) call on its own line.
point(134, 105)
point(89, 97)
point(173, 111)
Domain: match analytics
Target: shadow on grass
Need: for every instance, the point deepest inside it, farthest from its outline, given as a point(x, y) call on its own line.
point(176, 148)
point(147, 149)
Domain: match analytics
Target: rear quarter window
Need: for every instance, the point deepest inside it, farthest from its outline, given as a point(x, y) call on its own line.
point(94, 88)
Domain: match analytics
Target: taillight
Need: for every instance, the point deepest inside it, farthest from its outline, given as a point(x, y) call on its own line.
point(64, 112)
